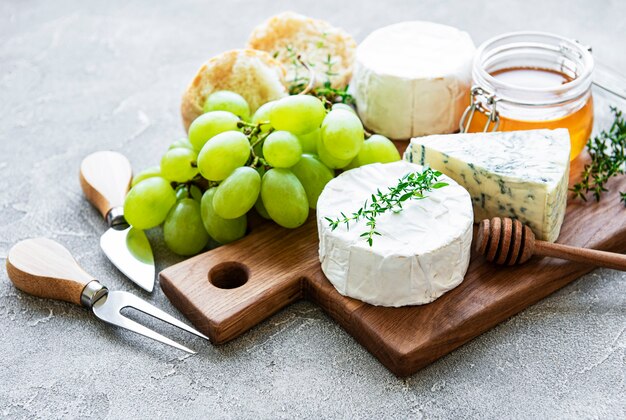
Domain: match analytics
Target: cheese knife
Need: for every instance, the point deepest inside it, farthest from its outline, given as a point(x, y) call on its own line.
point(105, 178)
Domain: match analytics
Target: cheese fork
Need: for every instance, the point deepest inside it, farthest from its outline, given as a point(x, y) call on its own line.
point(44, 268)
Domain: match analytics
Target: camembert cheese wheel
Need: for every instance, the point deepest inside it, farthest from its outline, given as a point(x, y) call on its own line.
point(413, 79)
point(422, 251)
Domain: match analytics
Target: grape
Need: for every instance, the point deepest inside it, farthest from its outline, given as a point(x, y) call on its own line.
point(281, 149)
point(298, 114)
point(208, 125)
point(238, 193)
point(308, 141)
point(223, 154)
point(183, 230)
point(345, 107)
point(184, 191)
point(145, 174)
point(225, 100)
point(220, 229)
point(179, 164)
point(263, 115)
point(181, 192)
point(284, 198)
point(196, 193)
point(260, 208)
point(376, 149)
point(313, 175)
point(148, 203)
point(181, 143)
point(329, 160)
point(342, 134)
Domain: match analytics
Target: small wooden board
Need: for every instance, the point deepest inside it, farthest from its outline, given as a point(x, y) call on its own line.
point(280, 266)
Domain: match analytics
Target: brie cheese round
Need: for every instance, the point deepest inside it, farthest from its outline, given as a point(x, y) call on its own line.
point(422, 251)
point(413, 78)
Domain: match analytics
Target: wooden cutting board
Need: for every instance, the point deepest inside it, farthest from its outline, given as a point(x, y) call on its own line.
point(226, 291)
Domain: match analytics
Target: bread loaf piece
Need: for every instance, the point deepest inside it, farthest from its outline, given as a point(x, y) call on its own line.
point(288, 34)
point(253, 74)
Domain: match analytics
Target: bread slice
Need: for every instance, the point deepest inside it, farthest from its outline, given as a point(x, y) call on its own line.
point(288, 34)
point(253, 74)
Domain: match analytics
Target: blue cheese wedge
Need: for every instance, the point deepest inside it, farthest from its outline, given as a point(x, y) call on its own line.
point(422, 251)
point(517, 174)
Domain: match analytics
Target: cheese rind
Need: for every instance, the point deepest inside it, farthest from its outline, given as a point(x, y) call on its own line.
point(412, 79)
point(517, 174)
point(423, 250)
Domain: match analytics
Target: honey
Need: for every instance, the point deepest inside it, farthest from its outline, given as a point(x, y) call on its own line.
point(532, 80)
point(531, 77)
point(579, 123)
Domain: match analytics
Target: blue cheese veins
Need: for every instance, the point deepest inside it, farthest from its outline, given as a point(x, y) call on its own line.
point(517, 174)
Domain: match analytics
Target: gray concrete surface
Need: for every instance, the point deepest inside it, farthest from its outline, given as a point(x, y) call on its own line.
point(77, 76)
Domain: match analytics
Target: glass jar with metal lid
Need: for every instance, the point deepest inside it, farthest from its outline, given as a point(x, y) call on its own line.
point(530, 80)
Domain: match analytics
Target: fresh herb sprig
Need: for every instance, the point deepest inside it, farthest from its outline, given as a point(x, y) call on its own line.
point(298, 82)
point(412, 186)
point(330, 95)
point(608, 159)
point(305, 84)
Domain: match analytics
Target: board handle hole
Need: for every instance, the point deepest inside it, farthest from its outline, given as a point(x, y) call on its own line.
point(229, 275)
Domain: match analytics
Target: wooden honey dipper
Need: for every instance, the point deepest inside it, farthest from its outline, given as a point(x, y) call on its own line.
point(508, 241)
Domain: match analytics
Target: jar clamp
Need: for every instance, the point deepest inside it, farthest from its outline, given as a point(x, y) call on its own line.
point(507, 106)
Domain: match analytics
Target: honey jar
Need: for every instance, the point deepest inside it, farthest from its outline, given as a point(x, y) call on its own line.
point(532, 80)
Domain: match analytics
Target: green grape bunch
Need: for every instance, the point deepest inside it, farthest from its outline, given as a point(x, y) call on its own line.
point(274, 161)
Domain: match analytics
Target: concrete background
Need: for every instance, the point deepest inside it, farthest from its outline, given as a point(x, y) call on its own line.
point(76, 77)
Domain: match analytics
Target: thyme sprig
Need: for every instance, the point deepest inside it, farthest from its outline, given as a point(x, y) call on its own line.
point(608, 159)
point(330, 95)
point(305, 83)
point(412, 186)
point(298, 82)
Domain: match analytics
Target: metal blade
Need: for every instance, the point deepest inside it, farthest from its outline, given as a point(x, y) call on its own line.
point(108, 309)
point(131, 253)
